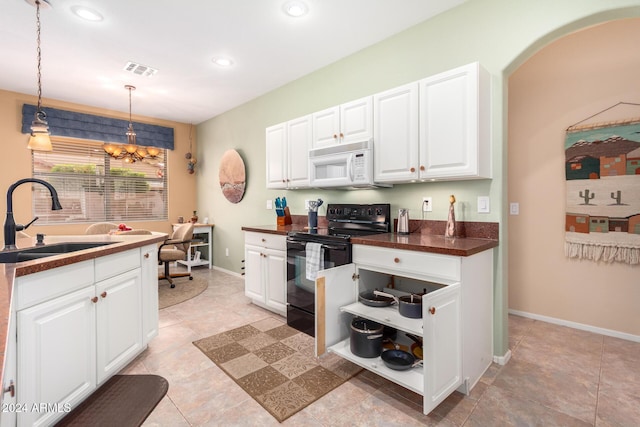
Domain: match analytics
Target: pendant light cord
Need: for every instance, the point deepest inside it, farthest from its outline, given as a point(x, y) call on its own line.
point(39, 109)
point(130, 121)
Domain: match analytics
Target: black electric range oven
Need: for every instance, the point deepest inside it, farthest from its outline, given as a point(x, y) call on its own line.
point(344, 221)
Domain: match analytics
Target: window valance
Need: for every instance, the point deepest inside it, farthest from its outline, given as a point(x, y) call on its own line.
point(106, 129)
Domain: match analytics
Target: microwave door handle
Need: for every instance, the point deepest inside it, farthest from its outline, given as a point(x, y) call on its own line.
point(350, 167)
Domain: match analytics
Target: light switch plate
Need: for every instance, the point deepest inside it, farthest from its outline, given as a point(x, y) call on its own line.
point(514, 208)
point(483, 204)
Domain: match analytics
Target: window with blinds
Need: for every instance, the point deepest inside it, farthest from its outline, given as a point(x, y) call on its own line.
point(94, 187)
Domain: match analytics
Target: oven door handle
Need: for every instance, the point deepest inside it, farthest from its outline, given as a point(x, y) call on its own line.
point(330, 247)
point(335, 248)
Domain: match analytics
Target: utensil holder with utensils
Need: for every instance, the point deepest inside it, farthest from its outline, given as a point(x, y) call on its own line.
point(282, 210)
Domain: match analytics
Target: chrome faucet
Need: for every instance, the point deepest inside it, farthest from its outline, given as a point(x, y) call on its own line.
point(9, 222)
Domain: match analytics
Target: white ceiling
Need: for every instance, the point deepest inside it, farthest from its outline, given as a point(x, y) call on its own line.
point(82, 61)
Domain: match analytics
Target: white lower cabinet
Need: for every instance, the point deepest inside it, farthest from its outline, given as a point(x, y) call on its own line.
point(119, 324)
point(56, 355)
point(265, 264)
point(149, 271)
point(76, 327)
point(458, 346)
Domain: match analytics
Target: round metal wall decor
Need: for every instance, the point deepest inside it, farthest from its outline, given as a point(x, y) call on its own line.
point(232, 176)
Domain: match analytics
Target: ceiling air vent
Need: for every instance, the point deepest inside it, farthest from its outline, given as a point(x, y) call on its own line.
point(139, 69)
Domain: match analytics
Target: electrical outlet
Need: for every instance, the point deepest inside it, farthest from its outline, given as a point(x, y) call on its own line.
point(226, 251)
point(514, 208)
point(427, 204)
point(269, 204)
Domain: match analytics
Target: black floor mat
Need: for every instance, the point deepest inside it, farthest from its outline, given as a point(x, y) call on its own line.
point(124, 400)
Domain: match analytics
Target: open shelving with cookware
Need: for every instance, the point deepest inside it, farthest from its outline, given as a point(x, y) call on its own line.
point(456, 323)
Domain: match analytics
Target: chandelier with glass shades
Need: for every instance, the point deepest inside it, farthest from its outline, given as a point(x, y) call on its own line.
point(130, 152)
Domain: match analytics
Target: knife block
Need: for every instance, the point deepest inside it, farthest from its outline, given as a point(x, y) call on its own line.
point(286, 219)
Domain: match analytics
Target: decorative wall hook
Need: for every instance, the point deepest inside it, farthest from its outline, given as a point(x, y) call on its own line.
point(191, 165)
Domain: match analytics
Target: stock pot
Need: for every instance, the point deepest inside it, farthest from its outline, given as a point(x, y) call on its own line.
point(366, 337)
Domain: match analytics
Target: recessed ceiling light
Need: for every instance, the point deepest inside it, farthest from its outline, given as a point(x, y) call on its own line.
point(222, 61)
point(295, 8)
point(87, 13)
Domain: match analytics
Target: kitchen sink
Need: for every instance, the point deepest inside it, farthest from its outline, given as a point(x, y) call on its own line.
point(47, 251)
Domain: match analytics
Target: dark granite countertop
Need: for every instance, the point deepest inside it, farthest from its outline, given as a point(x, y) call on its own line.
point(427, 236)
point(459, 246)
point(275, 229)
point(8, 272)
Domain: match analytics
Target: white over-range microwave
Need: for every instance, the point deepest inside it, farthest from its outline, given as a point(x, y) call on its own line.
point(345, 165)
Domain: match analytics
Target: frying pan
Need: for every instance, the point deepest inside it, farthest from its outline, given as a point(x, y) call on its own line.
point(416, 347)
point(399, 360)
point(372, 299)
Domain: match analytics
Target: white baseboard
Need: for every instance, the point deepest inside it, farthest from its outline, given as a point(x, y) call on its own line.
point(575, 325)
point(233, 273)
point(502, 360)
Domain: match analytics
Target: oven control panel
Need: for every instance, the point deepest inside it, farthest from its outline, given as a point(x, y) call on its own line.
point(374, 213)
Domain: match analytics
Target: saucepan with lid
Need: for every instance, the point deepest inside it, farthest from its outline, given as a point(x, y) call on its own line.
point(408, 305)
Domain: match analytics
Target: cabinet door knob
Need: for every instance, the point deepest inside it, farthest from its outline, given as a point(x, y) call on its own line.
point(264, 240)
point(396, 260)
point(146, 255)
point(10, 389)
point(94, 300)
point(341, 135)
point(335, 136)
point(103, 294)
point(412, 170)
point(421, 168)
point(432, 310)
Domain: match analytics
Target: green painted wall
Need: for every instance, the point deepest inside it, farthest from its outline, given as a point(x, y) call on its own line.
point(500, 34)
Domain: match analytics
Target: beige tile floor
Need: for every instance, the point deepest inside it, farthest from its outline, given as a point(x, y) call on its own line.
point(557, 376)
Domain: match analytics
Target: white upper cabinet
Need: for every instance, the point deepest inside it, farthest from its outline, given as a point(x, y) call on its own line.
point(299, 143)
point(276, 154)
point(437, 128)
point(287, 154)
point(395, 134)
point(349, 122)
point(454, 124)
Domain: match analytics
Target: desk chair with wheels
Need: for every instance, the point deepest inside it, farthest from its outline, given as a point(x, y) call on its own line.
point(175, 249)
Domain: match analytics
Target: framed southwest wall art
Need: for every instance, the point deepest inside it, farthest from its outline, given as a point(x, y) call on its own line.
point(603, 192)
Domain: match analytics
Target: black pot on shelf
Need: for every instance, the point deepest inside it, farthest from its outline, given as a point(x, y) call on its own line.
point(410, 306)
point(366, 338)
